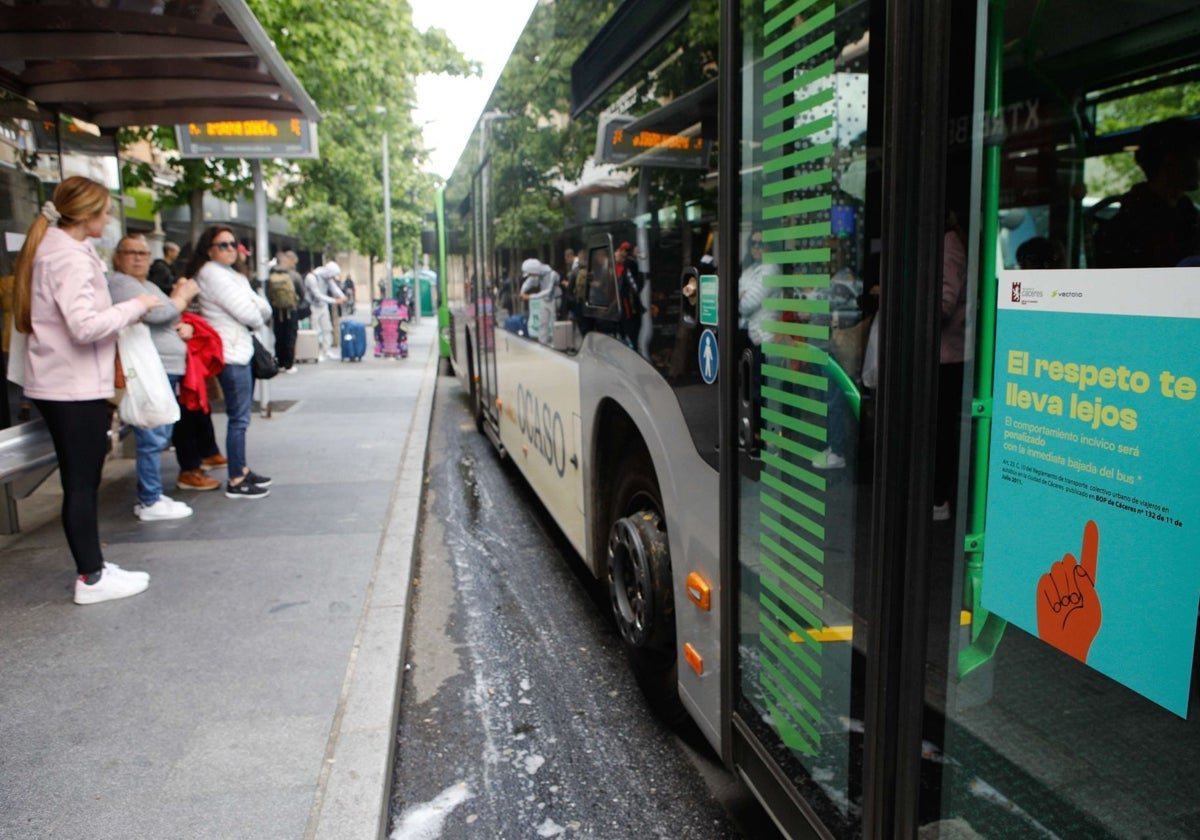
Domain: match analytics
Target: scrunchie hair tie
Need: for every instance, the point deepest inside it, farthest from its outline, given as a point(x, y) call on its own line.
point(51, 212)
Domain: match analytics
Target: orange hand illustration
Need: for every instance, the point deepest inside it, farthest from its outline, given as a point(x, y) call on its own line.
point(1068, 608)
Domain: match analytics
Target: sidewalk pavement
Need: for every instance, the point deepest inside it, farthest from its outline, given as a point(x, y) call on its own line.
point(251, 692)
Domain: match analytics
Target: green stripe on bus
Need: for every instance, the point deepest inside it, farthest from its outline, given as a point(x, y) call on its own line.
point(808, 655)
point(811, 549)
point(819, 72)
point(806, 305)
point(794, 400)
point(796, 425)
point(792, 447)
point(805, 255)
point(807, 155)
point(799, 57)
point(786, 574)
point(797, 609)
point(797, 208)
point(797, 329)
point(794, 110)
point(821, 228)
point(781, 656)
point(788, 734)
point(793, 135)
point(798, 496)
point(800, 280)
point(811, 526)
point(784, 17)
point(803, 701)
point(798, 713)
point(793, 377)
point(799, 352)
point(806, 28)
point(783, 465)
point(804, 181)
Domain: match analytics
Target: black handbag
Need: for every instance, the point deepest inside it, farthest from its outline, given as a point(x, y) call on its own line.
point(262, 365)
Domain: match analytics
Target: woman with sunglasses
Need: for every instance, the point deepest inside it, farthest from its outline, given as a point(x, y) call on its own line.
point(232, 309)
point(61, 302)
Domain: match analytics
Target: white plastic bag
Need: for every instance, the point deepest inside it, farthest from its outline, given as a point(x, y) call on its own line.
point(149, 400)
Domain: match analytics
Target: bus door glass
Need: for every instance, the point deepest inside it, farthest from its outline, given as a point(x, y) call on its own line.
point(486, 291)
point(1063, 577)
point(805, 471)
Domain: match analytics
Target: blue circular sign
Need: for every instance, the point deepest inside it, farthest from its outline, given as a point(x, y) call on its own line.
point(710, 359)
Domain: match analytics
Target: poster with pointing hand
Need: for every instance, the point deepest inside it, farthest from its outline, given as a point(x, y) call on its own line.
point(1094, 470)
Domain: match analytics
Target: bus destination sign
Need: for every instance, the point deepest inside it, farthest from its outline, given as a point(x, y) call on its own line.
point(650, 148)
point(292, 138)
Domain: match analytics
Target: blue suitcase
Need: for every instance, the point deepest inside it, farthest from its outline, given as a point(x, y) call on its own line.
point(354, 341)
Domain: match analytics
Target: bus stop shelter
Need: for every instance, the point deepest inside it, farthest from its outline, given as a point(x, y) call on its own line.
point(149, 62)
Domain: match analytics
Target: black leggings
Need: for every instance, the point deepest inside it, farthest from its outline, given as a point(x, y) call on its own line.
point(80, 434)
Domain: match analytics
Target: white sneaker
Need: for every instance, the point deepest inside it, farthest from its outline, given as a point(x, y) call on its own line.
point(292, 369)
point(828, 460)
point(114, 583)
point(177, 504)
point(118, 569)
point(164, 508)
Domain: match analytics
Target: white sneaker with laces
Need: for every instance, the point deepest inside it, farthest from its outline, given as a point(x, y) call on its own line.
point(114, 583)
point(163, 508)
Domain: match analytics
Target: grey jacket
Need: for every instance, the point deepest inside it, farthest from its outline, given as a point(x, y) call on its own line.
point(161, 319)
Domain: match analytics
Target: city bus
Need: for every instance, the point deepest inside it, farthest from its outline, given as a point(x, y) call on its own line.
point(849, 343)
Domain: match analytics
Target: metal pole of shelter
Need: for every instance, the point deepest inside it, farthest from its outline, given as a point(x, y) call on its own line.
point(261, 249)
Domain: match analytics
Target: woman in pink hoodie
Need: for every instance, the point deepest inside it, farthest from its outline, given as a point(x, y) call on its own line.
point(61, 301)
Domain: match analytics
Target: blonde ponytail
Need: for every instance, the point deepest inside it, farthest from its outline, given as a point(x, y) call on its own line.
point(75, 200)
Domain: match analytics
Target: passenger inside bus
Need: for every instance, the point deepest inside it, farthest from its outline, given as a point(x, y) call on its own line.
point(1157, 225)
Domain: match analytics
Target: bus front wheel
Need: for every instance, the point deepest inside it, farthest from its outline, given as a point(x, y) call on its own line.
point(640, 587)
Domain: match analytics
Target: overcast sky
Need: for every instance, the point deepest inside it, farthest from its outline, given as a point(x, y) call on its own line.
point(485, 31)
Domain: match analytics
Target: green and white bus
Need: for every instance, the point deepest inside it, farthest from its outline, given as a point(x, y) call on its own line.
point(777, 423)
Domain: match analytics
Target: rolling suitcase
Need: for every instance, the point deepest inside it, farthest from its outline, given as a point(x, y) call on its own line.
point(354, 341)
point(308, 348)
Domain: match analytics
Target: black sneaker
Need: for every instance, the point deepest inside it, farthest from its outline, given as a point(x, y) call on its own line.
point(255, 478)
point(246, 490)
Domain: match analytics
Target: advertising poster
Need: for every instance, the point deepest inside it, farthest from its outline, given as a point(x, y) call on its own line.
point(1094, 470)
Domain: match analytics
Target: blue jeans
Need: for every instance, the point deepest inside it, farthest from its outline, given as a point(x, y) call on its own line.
point(238, 387)
point(150, 444)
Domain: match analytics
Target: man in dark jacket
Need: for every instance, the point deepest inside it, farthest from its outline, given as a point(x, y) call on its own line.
point(162, 271)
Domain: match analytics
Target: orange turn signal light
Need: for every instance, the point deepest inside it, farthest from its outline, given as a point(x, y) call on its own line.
point(698, 591)
point(693, 658)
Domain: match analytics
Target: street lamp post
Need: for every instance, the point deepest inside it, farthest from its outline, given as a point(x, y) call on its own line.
point(387, 217)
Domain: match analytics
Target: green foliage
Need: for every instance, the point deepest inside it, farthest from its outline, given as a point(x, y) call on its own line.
point(323, 227)
point(357, 58)
point(354, 58)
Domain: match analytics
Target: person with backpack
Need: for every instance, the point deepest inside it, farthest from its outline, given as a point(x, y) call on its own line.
point(285, 293)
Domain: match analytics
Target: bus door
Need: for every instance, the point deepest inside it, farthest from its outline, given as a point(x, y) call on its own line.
point(802, 479)
point(486, 291)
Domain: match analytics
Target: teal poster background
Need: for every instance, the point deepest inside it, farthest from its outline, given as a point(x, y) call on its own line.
point(1078, 445)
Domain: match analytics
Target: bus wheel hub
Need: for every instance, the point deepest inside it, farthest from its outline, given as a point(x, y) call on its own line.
point(636, 548)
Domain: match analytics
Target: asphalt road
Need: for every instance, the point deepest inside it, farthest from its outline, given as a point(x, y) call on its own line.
point(520, 717)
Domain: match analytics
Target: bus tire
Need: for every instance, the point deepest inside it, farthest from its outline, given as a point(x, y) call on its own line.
point(476, 408)
point(640, 588)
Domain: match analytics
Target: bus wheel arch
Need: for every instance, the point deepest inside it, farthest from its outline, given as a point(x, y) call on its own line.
point(635, 560)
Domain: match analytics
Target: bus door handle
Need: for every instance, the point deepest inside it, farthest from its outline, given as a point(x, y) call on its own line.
point(747, 416)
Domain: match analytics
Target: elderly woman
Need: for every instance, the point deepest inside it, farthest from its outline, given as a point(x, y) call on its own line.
point(131, 270)
point(233, 309)
point(62, 302)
